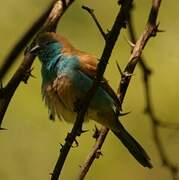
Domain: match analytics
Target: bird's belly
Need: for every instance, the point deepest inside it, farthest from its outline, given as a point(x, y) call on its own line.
point(66, 114)
point(63, 96)
point(61, 103)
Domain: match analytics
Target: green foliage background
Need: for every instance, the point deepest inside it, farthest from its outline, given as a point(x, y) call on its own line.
point(30, 146)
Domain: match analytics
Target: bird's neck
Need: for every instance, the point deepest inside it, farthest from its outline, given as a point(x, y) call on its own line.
point(50, 54)
point(49, 58)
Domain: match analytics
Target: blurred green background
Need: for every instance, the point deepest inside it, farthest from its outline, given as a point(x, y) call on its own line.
point(30, 146)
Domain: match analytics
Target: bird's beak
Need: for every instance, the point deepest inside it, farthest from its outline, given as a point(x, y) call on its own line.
point(35, 49)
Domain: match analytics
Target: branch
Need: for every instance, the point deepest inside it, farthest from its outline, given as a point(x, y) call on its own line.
point(77, 128)
point(156, 123)
point(91, 12)
point(93, 154)
point(23, 72)
point(150, 30)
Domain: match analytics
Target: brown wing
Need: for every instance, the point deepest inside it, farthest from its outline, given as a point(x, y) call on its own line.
point(89, 66)
point(60, 97)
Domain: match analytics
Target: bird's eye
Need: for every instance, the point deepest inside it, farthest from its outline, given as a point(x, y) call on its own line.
point(48, 43)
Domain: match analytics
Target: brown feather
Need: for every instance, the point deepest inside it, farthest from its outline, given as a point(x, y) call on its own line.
point(88, 63)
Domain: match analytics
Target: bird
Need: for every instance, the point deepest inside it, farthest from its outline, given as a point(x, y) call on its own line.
point(67, 74)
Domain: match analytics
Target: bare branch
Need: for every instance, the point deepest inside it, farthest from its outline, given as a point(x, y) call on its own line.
point(156, 123)
point(150, 30)
point(8, 91)
point(91, 156)
point(91, 12)
point(110, 42)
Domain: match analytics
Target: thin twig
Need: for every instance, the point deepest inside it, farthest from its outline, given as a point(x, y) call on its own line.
point(22, 72)
point(109, 45)
point(150, 30)
point(156, 123)
point(91, 12)
point(91, 156)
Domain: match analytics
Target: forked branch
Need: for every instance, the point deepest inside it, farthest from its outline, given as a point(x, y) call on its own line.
point(149, 31)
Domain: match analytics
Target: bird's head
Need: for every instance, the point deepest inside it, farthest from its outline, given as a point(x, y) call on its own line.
point(47, 47)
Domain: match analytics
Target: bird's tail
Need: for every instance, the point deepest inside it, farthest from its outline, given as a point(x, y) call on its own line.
point(132, 145)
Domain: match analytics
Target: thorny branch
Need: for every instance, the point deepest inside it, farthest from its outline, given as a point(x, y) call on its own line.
point(155, 122)
point(23, 72)
point(95, 20)
point(109, 45)
point(149, 31)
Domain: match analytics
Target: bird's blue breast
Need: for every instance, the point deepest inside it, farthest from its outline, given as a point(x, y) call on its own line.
point(49, 57)
point(50, 53)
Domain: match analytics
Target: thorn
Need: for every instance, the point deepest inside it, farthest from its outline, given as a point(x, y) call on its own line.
point(127, 74)
point(155, 30)
point(108, 33)
point(31, 75)
point(87, 9)
point(83, 131)
point(27, 75)
point(160, 30)
point(98, 154)
point(61, 145)
point(103, 81)
point(124, 25)
point(76, 144)
point(119, 69)
point(3, 128)
point(26, 50)
point(124, 114)
point(96, 132)
point(129, 42)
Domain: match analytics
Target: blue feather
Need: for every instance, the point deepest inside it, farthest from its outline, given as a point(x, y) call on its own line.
point(49, 58)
